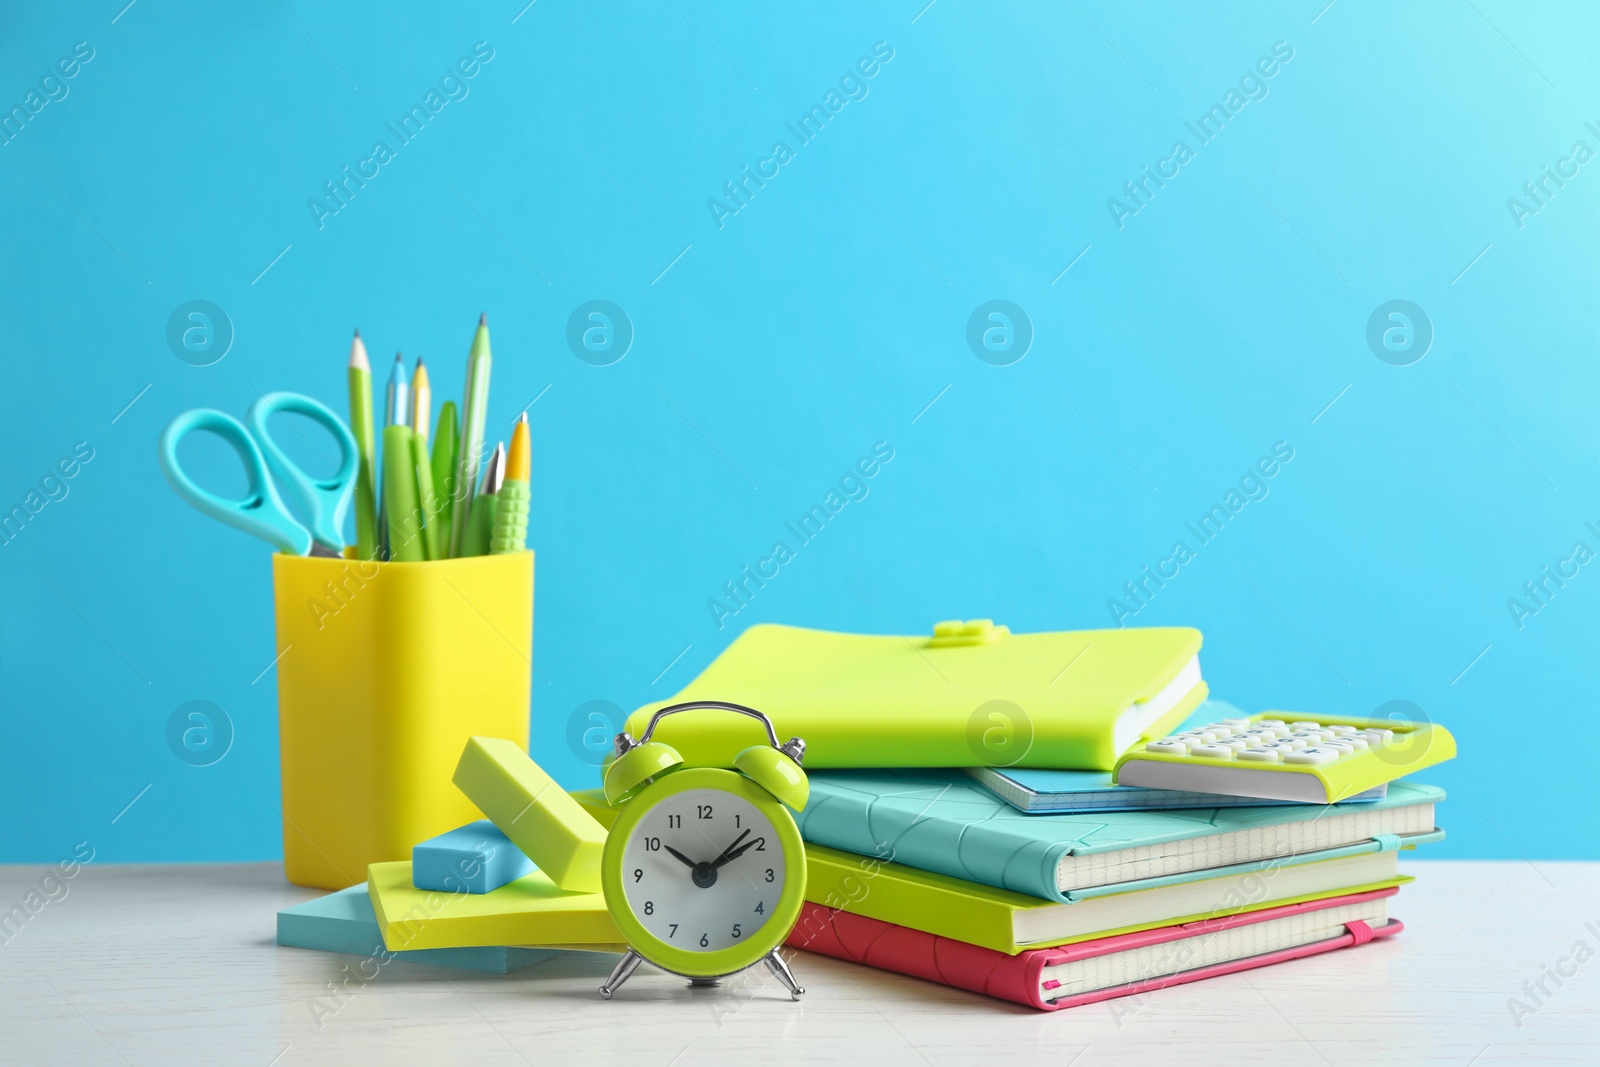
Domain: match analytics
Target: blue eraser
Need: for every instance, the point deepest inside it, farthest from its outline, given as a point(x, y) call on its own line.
point(475, 858)
point(344, 922)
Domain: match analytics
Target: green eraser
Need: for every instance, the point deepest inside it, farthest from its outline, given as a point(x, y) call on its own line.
point(527, 805)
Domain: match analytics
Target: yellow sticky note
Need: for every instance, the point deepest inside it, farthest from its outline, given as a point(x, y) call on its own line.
point(528, 911)
point(537, 815)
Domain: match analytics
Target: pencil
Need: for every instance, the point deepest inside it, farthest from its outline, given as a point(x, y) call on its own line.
point(360, 379)
point(511, 504)
point(421, 402)
point(397, 400)
point(469, 450)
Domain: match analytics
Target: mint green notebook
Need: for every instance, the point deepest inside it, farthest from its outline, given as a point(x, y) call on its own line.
point(944, 822)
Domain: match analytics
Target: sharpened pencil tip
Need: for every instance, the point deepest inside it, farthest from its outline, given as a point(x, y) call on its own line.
point(523, 417)
point(358, 331)
point(358, 354)
point(483, 318)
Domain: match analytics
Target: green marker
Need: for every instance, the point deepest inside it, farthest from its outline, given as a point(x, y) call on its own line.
point(360, 378)
point(481, 523)
point(469, 451)
point(444, 473)
point(423, 474)
point(400, 505)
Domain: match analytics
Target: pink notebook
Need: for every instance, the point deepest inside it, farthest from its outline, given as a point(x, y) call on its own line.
point(1052, 978)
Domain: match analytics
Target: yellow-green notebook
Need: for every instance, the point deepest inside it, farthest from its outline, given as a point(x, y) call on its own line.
point(970, 694)
point(1011, 922)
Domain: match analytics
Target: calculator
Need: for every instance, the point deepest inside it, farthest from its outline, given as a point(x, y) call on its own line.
point(1280, 756)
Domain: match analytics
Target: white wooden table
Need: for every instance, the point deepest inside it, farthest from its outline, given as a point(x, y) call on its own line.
point(177, 965)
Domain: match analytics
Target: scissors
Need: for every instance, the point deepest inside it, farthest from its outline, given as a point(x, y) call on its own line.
point(323, 501)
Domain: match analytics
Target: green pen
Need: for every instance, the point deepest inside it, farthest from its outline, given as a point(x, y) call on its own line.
point(480, 524)
point(444, 475)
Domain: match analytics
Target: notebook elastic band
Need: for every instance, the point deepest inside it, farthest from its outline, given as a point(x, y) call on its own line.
point(1387, 842)
point(1360, 932)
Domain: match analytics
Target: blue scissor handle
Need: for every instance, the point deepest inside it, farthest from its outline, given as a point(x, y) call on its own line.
point(261, 512)
point(324, 501)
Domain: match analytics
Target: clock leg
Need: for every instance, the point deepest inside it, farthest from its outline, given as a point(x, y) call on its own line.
point(622, 972)
point(780, 971)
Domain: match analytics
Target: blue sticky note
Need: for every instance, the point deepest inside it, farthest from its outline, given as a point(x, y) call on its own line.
point(344, 922)
point(476, 858)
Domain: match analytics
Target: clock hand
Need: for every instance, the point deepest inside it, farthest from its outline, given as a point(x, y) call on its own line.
point(681, 858)
point(720, 860)
point(729, 857)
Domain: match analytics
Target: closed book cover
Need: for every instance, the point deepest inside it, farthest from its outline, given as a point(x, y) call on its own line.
point(1010, 922)
point(968, 694)
point(1039, 792)
point(1054, 978)
point(943, 821)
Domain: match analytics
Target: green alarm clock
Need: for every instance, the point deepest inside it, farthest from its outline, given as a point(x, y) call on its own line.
point(704, 871)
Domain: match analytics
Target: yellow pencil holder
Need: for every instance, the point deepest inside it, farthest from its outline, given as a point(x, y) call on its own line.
point(384, 671)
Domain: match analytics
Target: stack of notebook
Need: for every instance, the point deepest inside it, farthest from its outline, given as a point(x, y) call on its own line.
point(929, 874)
point(1032, 877)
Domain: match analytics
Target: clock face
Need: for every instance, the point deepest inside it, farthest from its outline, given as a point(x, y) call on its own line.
point(703, 870)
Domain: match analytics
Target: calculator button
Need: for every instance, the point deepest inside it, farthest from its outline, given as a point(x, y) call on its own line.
point(1169, 746)
point(1314, 756)
point(1261, 755)
point(1212, 751)
point(1239, 744)
point(1356, 742)
point(1271, 722)
point(1237, 724)
point(1306, 724)
point(1344, 731)
point(1293, 742)
point(1344, 748)
point(1378, 736)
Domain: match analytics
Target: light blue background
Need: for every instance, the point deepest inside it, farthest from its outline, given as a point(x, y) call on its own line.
point(826, 316)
